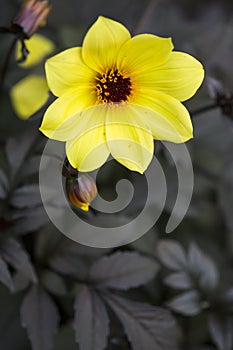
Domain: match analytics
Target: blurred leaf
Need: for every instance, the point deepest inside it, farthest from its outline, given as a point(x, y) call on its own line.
point(65, 339)
point(67, 264)
point(227, 298)
point(26, 197)
point(53, 282)
point(171, 254)
point(48, 241)
point(203, 268)
point(12, 336)
point(147, 243)
point(226, 199)
point(179, 280)
point(20, 281)
point(146, 326)
point(123, 270)
point(187, 303)
point(5, 276)
point(39, 315)
point(91, 321)
point(3, 184)
point(15, 255)
point(221, 330)
point(17, 149)
point(31, 167)
point(29, 220)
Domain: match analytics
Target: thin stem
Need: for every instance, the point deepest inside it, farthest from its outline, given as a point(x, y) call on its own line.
point(7, 62)
point(204, 109)
point(148, 11)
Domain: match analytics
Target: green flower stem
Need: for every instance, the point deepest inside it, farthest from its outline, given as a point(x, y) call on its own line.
point(7, 62)
point(204, 109)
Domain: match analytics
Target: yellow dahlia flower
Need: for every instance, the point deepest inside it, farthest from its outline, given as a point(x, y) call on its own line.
point(116, 94)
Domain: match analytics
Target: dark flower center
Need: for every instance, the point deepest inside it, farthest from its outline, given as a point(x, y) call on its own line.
point(113, 87)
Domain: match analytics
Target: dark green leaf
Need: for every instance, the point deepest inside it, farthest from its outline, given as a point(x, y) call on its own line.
point(123, 270)
point(221, 330)
point(91, 321)
point(26, 197)
point(186, 304)
point(203, 268)
point(5, 276)
point(146, 326)
point(171, 254)
point(39, 315)
point(179, 280)
point(15, 255)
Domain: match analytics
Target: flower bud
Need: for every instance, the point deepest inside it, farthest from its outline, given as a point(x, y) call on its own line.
point(32, 15)
point(81, 191)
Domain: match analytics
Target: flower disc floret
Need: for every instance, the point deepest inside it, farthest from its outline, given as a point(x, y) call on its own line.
point(113, 87)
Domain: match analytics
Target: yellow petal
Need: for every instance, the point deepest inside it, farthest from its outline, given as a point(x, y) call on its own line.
point(166, 117)
point(102, 43)
point(29, 95)
point(67, 70)
point(144, 52)
point(60, 121)
point(179, 77)
point(38, 46)
point(88, 151)
point(129, 140)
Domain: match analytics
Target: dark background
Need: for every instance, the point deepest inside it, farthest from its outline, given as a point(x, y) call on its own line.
point(188, 274)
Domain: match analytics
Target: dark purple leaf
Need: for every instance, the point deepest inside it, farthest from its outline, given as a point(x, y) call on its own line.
point(68, 264)
point(29, 220)
point(227, 299)
point(16, 256)
point(91, 323)
point(40, 316)
point(171, 254)
point(187, 303)
point(5, 276)
point(146, 326)
point(26, 197)
point(17, 149)
point(3, 184)
point(221, 331)
point(179, 280)
point(203, 268)
point(53, 282)
point(123, 270)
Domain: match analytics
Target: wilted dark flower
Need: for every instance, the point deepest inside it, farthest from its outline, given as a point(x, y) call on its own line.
point(81, 191)
point(225, 102)
point(222, 97)
point(32, 15)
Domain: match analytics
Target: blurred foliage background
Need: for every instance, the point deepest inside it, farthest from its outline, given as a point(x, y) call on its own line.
point(163, 292)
